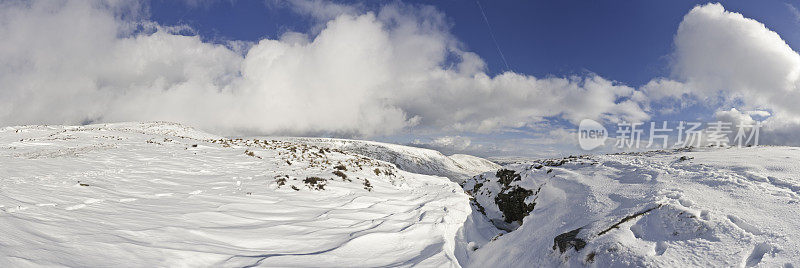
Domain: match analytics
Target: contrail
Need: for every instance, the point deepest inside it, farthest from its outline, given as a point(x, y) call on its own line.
point(491, 33)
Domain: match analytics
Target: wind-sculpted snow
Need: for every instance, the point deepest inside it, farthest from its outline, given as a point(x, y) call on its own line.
point(161, 194)
point(709, 207)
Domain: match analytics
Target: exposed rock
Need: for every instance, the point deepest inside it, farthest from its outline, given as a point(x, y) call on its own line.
point(512, 203)
point(565, 241)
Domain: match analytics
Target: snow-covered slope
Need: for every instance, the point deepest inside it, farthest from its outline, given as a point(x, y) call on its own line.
point(472, 165)
point(687, 208)
point(457, 167)
point(161, 194)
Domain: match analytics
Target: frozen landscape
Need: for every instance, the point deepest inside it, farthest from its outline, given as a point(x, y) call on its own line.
point(164, 194)
point(158, 194)
point(403, 133)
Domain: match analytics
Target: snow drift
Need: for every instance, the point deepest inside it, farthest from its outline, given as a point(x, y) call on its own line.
point(705, 207)
point(161, 194)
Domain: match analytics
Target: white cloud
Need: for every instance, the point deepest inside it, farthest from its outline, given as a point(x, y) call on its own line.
point(775, 130)
point(723, 54)
point(661, 88)
point(318, 9)
point(363, 73)
point(793, 10)
point(723, 59)
point(735, 116)
point(63, 62)
point(759, 113)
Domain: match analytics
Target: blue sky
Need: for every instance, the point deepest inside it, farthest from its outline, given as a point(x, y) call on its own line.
point(630, 42)
point(627, 41)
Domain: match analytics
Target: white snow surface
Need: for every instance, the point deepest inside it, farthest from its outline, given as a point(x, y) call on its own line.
point(716, 207)
point(161, 194)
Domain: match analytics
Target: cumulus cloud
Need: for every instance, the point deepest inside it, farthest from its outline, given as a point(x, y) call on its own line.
point(724, 58)
point(740, 118)
point(775, 130)
point(363, 73)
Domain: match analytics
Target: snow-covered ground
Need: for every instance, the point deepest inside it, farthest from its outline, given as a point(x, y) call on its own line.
point(162, 194)
point(708, 207)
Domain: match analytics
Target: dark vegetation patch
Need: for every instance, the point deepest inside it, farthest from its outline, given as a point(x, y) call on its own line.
point(386, 172)
point(477, 187)
point(512, 203)
point(477, 205)
point(581, 159)
point(312, 157)
point(658, 152)
point(590, 257)
point(505, 176)
point(281, 180)
point(555, 163)
point(565, 241)
point(295, 188)
point(316, 183)
point(367, 185)
point(341, 175)
point(511, 200)
point(251, 153)
point(497, 236)
point(627, 218)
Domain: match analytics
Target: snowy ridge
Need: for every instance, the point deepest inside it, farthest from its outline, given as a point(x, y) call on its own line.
point(457, 167)
point(706, 207)
point(161, 194)
point(472, 164)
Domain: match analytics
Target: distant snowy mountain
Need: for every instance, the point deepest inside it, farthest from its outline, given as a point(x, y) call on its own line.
point(457, 167)
point(163, 194)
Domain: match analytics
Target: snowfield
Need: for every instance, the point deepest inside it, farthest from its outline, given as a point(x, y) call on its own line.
point(163, 194)
point(160, 194)
point(708, 207)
